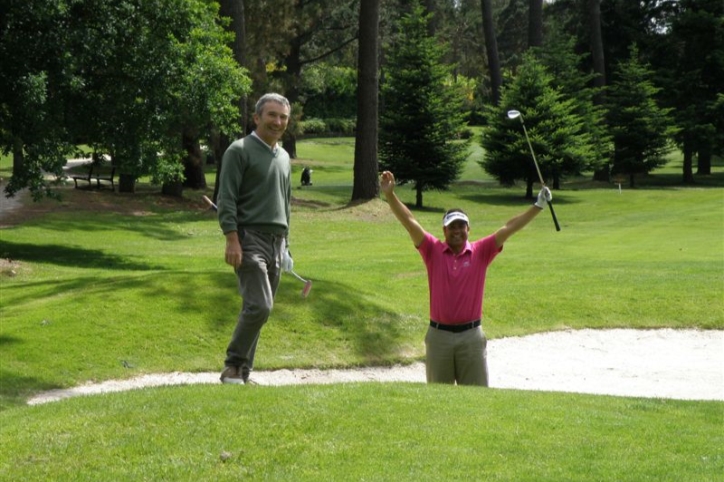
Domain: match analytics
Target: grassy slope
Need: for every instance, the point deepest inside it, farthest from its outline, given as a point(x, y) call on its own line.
point(377, 432)
point(106, 290)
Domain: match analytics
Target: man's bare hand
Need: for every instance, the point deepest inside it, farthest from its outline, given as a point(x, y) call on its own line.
point(234, 254)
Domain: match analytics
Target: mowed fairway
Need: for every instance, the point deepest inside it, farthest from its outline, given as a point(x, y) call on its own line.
point(107, 285)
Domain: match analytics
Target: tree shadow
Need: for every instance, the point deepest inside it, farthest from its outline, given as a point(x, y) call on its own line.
point(15, 389)
point(498, 199)
point(69, 256)
point(374, 332)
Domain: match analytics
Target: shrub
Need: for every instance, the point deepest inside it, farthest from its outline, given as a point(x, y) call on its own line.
point(313, 126)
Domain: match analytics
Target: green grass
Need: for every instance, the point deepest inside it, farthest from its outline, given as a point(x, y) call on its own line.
point(377, 432)
point(110, 285)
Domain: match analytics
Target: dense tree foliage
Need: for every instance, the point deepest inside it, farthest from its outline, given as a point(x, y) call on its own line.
point(558, 133)
point(133, 78)
point(691, 77)
point(130, 79)
point(422, 113)
point(641, 130)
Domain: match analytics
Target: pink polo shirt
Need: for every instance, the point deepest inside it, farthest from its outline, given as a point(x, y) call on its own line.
point(457, 282)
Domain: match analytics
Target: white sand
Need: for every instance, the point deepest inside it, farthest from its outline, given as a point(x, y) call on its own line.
point(676, 364)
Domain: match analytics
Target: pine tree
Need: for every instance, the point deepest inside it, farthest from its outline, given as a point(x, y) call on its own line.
point(422, 113)
point(562, 143)
point(641, 129)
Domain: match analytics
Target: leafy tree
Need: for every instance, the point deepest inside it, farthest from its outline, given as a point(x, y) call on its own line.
point(155, 78)
point(129, 78)
point(320, 29)
point(560, 140)
point(32, 104)
point(329, 91)
point(422, 113)
point(641, 129)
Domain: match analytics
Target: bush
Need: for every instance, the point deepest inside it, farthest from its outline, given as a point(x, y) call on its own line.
point(313, 126)
point(341, 126)
point(332, 126)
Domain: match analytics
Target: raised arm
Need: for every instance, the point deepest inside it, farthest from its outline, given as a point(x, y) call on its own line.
point(518, 222)
point(408, 221)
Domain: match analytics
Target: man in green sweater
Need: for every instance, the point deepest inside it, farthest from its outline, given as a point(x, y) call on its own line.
point(254, 208)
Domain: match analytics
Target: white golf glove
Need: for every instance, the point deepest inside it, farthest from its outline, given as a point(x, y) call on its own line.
point(544, 196)
point(287, 261)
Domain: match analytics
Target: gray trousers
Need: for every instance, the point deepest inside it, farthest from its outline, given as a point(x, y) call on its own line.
point(456, 357)
point(258, 277)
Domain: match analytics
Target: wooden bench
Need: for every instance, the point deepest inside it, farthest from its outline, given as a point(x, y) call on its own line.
point(101, 174)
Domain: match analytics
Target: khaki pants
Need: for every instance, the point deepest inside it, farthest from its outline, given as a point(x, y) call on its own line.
point(456, 357)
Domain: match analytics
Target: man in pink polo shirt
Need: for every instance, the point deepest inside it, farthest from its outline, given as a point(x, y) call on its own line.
point(455, 342)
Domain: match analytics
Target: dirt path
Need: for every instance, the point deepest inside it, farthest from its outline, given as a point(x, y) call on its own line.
point(677, 364)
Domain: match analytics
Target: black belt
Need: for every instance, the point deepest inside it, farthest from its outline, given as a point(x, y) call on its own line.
point(455, 328)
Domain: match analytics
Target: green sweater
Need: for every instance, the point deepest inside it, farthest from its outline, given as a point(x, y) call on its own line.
point(255, 188)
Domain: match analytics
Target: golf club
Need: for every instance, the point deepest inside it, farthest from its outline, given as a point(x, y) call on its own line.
point(514, 114)
point(307, 283)
point(209, 203)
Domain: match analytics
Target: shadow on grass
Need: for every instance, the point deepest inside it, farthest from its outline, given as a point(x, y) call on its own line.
point(374, 333)
point(68, 256)
point(149, 214)
point(177, 292)
point(511, 200)
point(16, 389)
point(207, 305)
point(106, 309)
point(163, 226)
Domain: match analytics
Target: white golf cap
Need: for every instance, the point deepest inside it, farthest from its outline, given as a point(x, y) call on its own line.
point(455, 216)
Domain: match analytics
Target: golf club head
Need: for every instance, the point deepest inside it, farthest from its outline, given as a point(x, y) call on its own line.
point(307, 283)
point(513, 114)
point(307, 288)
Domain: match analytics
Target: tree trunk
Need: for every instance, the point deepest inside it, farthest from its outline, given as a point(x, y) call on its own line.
point(234, 9)
point(293, 74)
point(219, 149)
point(432, 25)
point(599, 68)
point(703, 159)
point(173, 188)
point(18, 157)
point(603, 174)
point(688, 173)
point(194, 176)
point(491, 47)
point(126, 183)
point(366, 183)
point(290, 144)
point(418, 196)
point(535, 23)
